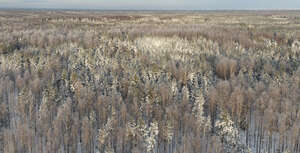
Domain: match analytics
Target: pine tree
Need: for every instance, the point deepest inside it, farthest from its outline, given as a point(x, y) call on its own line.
point(229, 135)
point(202, 121)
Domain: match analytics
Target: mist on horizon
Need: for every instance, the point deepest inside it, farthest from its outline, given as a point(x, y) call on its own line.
point(152, 5)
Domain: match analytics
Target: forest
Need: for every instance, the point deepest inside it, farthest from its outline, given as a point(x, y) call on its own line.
point(149, 82)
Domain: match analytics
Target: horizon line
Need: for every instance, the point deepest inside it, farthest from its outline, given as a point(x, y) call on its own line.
point(101, 9)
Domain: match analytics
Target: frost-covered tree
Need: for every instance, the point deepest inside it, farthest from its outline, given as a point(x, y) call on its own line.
point(202, 121)
point(229, 135)
point(149, 134)
point(103, 134)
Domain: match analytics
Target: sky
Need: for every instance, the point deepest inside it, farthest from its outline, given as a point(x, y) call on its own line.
point(153, 4)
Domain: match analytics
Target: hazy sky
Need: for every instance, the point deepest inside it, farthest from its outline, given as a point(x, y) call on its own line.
point(153, 4)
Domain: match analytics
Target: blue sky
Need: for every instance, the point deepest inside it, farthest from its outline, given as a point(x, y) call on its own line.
point(153, 4)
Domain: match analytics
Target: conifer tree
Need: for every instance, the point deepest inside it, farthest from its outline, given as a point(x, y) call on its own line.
point(229, 135)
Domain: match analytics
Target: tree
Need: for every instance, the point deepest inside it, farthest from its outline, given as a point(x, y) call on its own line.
point(23, 103)
point(203, 122)
point(229, 135)
point(87, 135)
point(226, 68)
point(103, 134)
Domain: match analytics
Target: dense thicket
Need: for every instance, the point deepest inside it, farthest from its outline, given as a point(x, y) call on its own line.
point(76, 85)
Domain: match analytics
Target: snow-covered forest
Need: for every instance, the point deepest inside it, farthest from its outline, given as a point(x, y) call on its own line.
point(128, 82)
